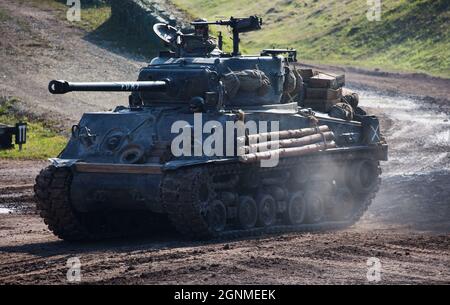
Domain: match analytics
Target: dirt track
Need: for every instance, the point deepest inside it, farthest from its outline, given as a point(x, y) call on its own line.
point(407, 227)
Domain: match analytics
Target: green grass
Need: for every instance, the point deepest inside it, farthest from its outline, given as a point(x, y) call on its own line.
point(97, 22)
point(92, 15)
point(42, 140)
point(412, 36)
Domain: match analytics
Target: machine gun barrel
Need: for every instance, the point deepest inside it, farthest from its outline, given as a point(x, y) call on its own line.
point(62, 87)
point(238, 25)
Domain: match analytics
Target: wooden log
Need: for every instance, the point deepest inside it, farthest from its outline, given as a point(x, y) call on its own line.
point(284, 134)
point(112, 168)
point(286, 152)
point(294, 142)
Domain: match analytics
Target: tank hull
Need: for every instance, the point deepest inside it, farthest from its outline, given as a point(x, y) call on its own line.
point(169, 196)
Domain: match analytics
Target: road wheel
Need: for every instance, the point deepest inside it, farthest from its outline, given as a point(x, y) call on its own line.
point(315, 206)
point(362, 176)
point(247, 212)
point(267, 210)
point(296, 209)
point(343, 205)
point(216, 216)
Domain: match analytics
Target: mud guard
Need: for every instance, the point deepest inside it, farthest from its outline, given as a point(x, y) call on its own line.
point(58, 163)
point(176, 164)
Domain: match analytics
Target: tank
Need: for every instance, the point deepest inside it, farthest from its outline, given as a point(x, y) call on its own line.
point(215, 145)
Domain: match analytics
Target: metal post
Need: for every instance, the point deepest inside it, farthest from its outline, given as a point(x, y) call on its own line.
point(235, 42)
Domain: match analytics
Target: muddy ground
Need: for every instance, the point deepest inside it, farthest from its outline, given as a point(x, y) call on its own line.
point(407, 227)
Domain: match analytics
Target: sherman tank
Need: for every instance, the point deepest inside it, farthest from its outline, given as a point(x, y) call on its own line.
point(216, 145)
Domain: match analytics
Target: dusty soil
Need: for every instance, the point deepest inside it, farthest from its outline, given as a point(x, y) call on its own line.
point(36, 47)
point(407, 227)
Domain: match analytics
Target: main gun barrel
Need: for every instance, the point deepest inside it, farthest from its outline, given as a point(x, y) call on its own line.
point(62, 86)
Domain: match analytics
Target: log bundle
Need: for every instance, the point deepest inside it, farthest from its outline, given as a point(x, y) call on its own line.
point(286, 143)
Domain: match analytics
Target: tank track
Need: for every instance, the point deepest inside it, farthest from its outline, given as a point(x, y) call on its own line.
point(179, 191)
point(186, 195)
point(52, 192)
point(52, 196)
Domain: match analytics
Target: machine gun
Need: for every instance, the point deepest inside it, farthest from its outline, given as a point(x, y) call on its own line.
point(62, 86)
point(238, 25)
point(292, 54)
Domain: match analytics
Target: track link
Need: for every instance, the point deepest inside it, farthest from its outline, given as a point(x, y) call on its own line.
point(52, 193)
point(179, 194)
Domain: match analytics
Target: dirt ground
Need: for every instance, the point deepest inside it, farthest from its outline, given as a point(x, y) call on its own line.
point(407, 227)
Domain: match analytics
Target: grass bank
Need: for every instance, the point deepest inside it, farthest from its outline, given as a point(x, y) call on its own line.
point(93, 13)
point(43, 141)
point(411, 36)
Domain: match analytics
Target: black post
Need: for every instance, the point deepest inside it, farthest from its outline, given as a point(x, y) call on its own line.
point(220, 42)
point(235, 42)
point(21, 134)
